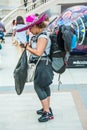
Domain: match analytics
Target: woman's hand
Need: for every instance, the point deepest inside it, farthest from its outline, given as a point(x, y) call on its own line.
point(27, 46)
point(22, 45)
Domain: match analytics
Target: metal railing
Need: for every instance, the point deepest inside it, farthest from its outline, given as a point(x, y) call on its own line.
point(7, 20)
point(21, 10)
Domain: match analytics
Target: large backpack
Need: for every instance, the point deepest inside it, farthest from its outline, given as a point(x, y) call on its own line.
point(60, 49)
point(57, 52)
point(61, 45)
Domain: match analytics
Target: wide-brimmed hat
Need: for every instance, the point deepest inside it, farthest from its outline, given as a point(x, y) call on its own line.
point(33, 20)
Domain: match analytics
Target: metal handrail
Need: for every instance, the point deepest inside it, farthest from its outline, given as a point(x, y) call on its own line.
point(20, 10)
point(7, 20)
point(13, 11)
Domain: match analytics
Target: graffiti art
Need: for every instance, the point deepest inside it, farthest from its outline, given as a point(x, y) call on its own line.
point(76, 16)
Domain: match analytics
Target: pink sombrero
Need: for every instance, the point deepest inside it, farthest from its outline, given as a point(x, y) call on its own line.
point(30, 18)
point(33, 20)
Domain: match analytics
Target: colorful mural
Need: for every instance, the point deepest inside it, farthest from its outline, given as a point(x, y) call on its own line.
point(76, 16)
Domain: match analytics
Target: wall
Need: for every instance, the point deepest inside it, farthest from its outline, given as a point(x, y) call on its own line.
point(9, 3)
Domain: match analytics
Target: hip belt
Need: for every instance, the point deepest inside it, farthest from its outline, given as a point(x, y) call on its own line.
point(43, 58)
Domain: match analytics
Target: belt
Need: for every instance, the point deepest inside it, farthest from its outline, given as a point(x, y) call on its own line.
point(43, 58)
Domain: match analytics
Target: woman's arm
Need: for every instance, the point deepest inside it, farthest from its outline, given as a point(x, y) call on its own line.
point(40, 47)
point(13, 34)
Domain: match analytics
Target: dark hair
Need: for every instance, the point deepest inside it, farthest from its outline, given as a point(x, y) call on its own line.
point(13, 22)
point(41, 25)
point(20, 20)
point(36, 14)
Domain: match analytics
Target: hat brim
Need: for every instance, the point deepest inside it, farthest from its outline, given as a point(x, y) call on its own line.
point(39, 20)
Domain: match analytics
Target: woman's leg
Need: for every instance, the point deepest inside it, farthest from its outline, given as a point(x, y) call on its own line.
point(48, 92)
point(44, 96)
point(45, 104)
point(48, 98)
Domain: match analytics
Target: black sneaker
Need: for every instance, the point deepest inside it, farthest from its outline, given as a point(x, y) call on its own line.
point(41, 111)
point(46, 116)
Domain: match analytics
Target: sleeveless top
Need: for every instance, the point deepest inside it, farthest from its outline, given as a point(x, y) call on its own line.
point(47, 49)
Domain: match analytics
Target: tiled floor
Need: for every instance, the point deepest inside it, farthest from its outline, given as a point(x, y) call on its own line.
point(19, 112)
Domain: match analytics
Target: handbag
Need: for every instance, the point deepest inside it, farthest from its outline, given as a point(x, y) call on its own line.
point(20, 73)
point(31, 69)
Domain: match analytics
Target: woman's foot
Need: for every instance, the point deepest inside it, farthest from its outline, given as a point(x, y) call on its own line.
point(41, 111)
point(46, 116)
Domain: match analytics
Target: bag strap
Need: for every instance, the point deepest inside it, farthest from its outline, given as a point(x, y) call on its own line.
point(38, 60)
point(59, 82)
point(28, 56)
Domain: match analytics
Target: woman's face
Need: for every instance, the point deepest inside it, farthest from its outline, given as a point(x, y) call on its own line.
point(33, 29)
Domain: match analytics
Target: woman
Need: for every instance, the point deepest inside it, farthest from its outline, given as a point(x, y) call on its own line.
point(20, 38)
point(44, 74)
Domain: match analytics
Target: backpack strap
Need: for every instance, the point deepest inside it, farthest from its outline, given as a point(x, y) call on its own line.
point(59, 82)
point(44, 33)
point(35, 38)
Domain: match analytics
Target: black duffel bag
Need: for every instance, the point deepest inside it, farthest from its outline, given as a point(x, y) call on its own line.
point(20, 73)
